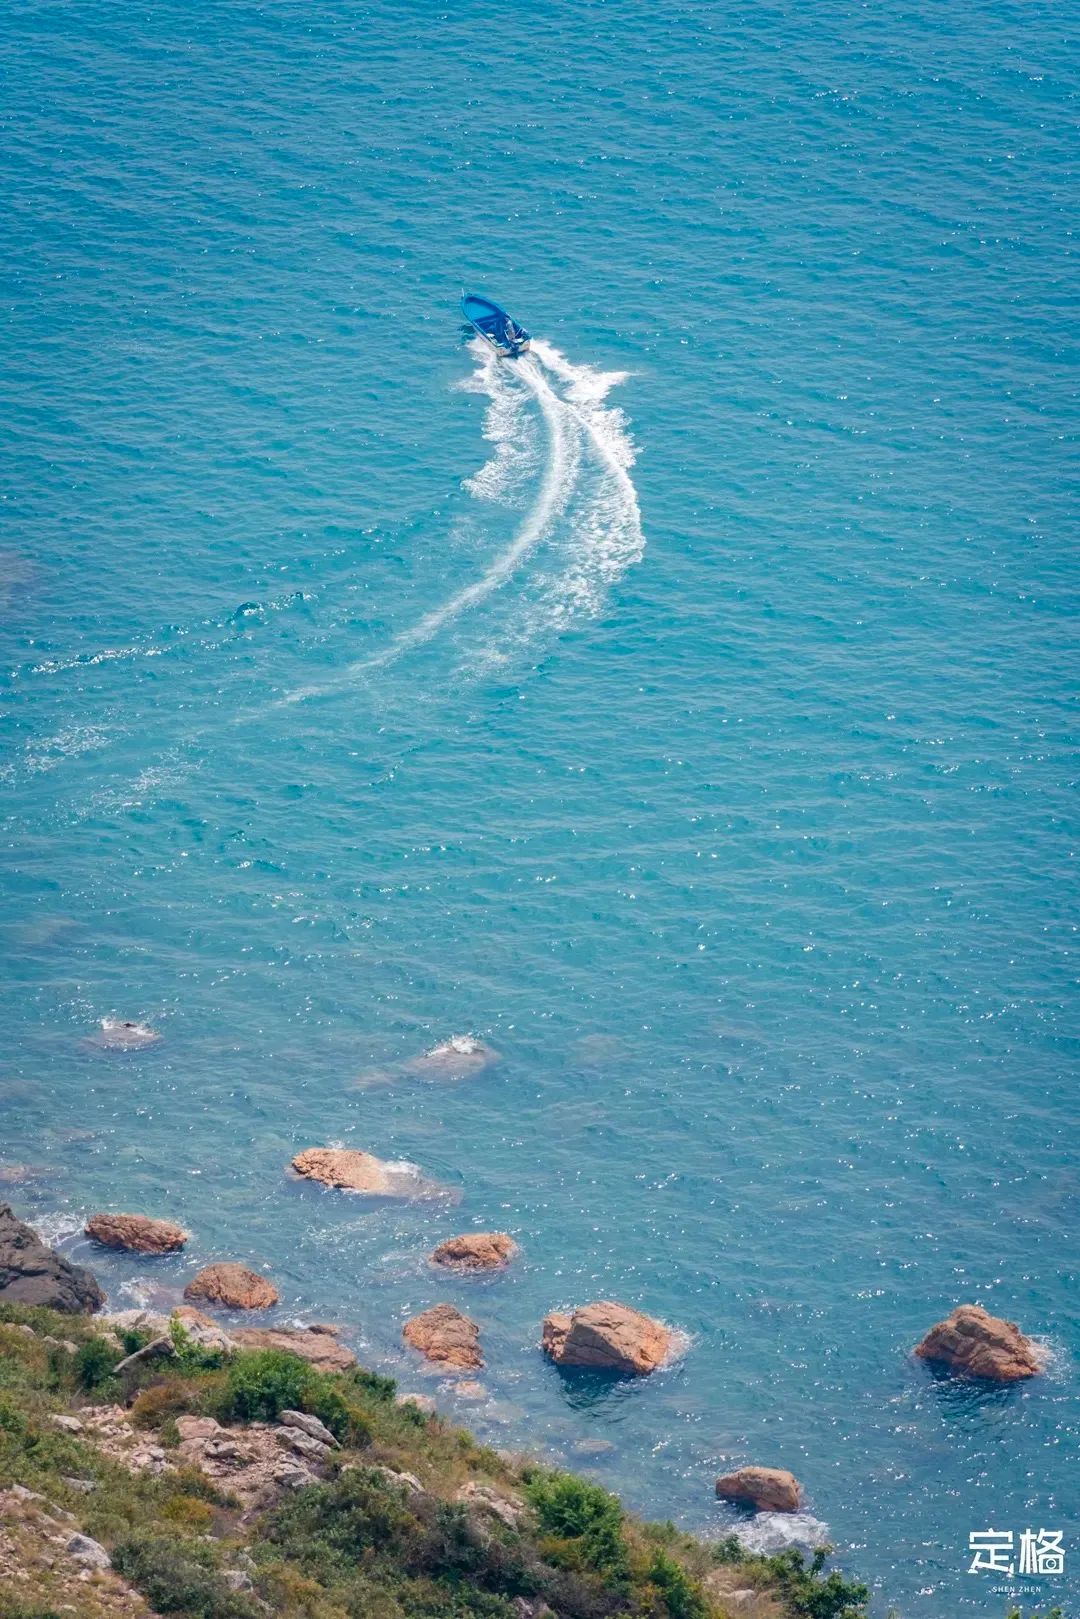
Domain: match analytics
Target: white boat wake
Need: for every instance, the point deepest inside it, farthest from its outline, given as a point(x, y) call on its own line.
point(584, 516)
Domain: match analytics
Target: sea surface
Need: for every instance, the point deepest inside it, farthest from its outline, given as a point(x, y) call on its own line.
point(685, 711)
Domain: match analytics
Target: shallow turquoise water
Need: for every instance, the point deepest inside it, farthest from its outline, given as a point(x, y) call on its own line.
point(723, 791)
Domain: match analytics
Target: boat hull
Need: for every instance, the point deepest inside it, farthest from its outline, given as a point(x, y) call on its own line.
point(495, 326)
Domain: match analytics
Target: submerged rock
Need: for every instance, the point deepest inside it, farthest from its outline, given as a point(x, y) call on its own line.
point(137, 1233)
point(445, 1336)
point(981, 1345)
point(455, 1058)
point(476, 1250)
point(232, 1285)
point(31, 1273)
point(608, 1337)
point(123, 1034)
point(769, 1489)
point(420, 1402)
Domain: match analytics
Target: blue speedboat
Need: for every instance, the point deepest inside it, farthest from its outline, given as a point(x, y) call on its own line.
point(495, 326)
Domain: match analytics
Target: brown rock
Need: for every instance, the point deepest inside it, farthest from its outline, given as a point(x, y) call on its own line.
point(137, 1233)
point(31, 1273)
point(232, 1285)
point(476, 1250)
point(315, 1344)
point(352, 1171)
point(609, 1337)
point(345, 1168)
point(769, 1489)
point(444, 1335)
point(981, 1345)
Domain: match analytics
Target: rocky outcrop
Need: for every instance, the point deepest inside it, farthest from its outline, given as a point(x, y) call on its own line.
point(769, 1489)
point(318, 1345)
point(351, 1171)
point(607, 1337)
point(445, 1336)
point(304, 1422)
point(136, 1233)
point(255, 1463)
point(978, 1344)
point(484, 1498)
point(232, 1285)
point(109, 1429)
point(31, 1273)
point(476, 1250)
point(123, 1034)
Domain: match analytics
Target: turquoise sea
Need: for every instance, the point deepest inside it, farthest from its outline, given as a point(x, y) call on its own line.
point(686, 711)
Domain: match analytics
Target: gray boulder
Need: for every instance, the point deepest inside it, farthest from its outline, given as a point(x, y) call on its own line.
point(31, 1273)
point(90, 1553)
point(308, 1424)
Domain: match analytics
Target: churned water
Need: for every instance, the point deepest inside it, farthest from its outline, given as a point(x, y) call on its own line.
point(683, 711)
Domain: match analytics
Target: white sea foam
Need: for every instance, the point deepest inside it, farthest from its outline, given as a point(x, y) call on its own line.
point(769, 1532)
point(585, 508)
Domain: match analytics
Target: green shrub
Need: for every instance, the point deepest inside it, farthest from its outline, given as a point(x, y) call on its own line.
point(261, 1383)
point(12, 1420)
point(570, 1509)
point(95, 1362)
point(179, 1577)
point(190, 1356)
point(683, 1597)
point(809, 1593)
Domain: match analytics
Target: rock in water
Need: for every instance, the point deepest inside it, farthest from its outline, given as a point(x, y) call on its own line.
point(476, 1250)
point(30, 1273)
point(608, 1337)
point(232, 1285)
point(455, 1058)
point(444, 1335)
point(769, 1489)
point(123, 1034)
point(981, 1345)
point(137, 1233)
point(352, 1171)
point(344, 1168)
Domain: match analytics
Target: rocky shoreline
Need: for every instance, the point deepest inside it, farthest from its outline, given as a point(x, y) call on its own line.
point(603, 1336)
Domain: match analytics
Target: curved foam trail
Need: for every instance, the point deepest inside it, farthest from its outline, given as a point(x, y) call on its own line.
point(555, 489)
point(611, 534)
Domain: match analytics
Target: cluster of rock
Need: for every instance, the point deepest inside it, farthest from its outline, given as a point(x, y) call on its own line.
point(256, 1463)
point(601, 1336)
point(43, 1553)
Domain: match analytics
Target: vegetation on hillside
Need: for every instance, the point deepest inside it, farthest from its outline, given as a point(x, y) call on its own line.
point(361, 1543)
